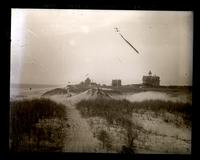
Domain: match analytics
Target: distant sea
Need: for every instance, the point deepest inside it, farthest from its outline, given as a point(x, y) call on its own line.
point(27, 86)
point(21, 91)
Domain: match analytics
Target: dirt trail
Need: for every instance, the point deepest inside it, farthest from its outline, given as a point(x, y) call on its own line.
point(79, 137)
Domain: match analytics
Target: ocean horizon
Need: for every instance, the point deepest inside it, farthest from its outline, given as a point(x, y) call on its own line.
point(24, 86)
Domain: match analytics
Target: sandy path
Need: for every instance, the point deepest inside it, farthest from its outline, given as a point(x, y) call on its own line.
point(79, 137)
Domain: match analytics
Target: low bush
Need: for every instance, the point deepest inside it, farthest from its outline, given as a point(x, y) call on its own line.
point(119, 112)
point(180, 110)
point(24, 117)
point(115, 110)
point(55, 91)
point(105, 138)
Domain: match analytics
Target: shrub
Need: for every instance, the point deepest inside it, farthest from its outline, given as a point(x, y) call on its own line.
point(116, 109)
point(24, 115)
point(127, 150)
point(55, 91)
point(181, 110)
point(104, 137)
point(120, 112)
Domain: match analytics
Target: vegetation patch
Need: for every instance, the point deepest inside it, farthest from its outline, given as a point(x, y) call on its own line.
point(114, 113)
point(55, 91)
point(174, 112)
point(36, 125)
point(119, 113)
point(105, 138)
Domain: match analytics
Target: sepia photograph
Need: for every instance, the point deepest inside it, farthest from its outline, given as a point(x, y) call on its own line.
point(101, 81)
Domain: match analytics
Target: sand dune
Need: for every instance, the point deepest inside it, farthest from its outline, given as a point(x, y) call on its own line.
point(152, 95)
point(79, 134)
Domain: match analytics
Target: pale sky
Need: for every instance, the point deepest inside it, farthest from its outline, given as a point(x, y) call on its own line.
point(59, 46)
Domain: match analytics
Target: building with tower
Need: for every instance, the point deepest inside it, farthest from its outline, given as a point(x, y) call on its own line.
point(152, 81)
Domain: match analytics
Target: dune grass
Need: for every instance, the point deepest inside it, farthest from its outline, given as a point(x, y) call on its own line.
point(115, 114)
point(137, 89)
point(35, 125)
point(55, 91)
point(160, 108)
point(110, 108)
point(119, 112)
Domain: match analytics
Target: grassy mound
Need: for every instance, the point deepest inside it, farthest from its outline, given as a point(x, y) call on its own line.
point(55, 91)
point(36, 125)
point(119, 113)
point(72, 89)
point(115, 114)
point(113, 110)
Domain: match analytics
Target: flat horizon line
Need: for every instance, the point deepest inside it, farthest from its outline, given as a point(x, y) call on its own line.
point(78, 83)
point(35, 84)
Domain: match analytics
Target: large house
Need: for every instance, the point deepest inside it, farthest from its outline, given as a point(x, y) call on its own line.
point(88, 83)
point(153, 81)
point(116, 82)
